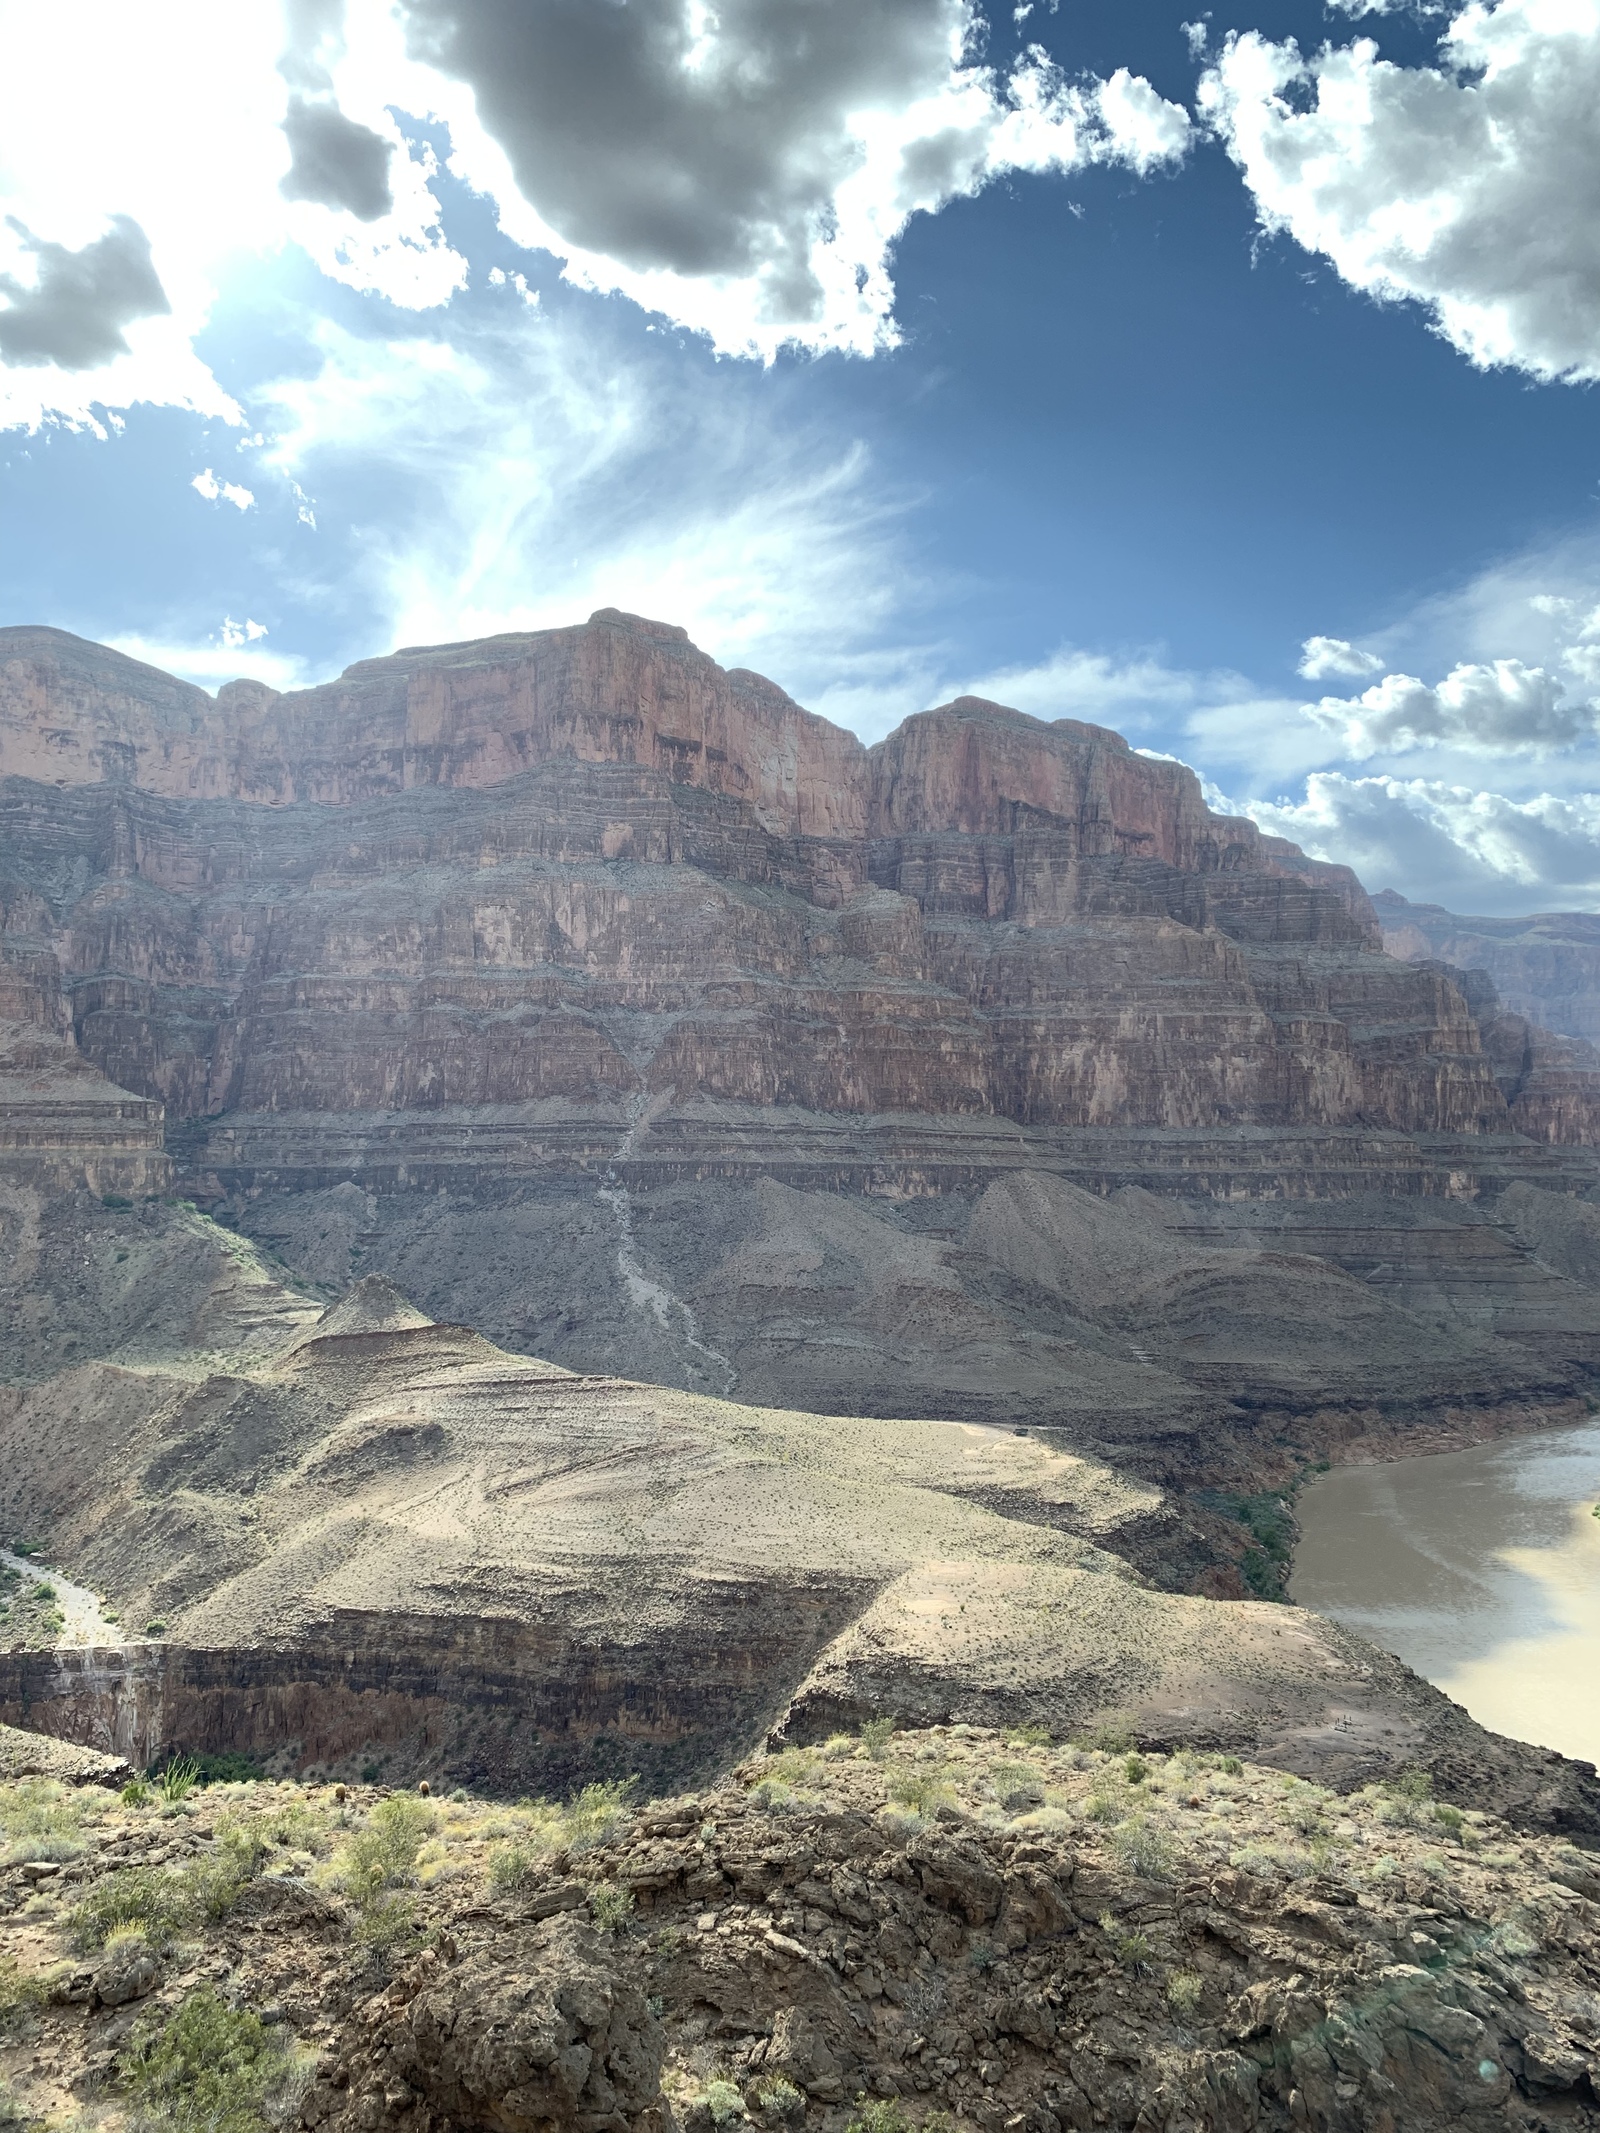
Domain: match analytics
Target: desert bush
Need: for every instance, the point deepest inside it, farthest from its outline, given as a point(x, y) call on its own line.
point(610, 1906)
point(879, 2114)
point(595, 1814)
point(177, 1780)
point(133, 1896)
point(920, 1790)
point(876, 1735)
point(513, 1866)
point(1304, 1807)
point(22, 1993)
point(40, 1819)
point(209, 2068)
point(724, 2103)
point(1133, 1947)
point(1230, 1766)
point(777, 2094)
point(384, 1854)
point(1103, 1807)
point(1112, 1740)
point(138, 1792)
point(386, 1919)
point(795, 1766)
point(1143, 1849)
point(1030, 1737)
point(1184, 1989)
point(1407, 1801)
point(773, 1796)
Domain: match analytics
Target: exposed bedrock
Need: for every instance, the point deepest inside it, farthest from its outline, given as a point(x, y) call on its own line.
point(640, 1025)
point(386, 1541)
point(620, 1007)
point(1545, 966)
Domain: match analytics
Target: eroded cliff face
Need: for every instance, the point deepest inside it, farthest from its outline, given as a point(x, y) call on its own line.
point(1545, 966)
point(535, 973)
point(590, 865)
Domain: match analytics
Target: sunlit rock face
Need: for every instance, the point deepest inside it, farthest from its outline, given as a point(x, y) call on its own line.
point(536, 971)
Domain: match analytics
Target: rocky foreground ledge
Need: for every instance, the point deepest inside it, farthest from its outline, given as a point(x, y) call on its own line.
point(947, 1928)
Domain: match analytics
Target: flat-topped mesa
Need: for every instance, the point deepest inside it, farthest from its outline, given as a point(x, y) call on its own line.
point(623, 690)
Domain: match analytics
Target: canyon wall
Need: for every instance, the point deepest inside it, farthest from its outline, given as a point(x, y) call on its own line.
point(1545, 967)
point(567, 977)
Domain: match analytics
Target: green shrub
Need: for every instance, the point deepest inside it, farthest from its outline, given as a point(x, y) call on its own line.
point(773, 1796)
point(1143, 1849)
point(1304, 1807)
point(1133, 1949)
point(133, 1896)
point(232, 1767)
point(22, 1993)
point(138, 1792)
point(177, 1780)
point(384, 1854)
point(724, 2103)
point(41, 1820)
point(795, 1766)
point(922, 1790)
point(1030, 1737)
point(1111, 1740)
point(384, 1920)
point(1230, 1766)
point(876, 1735)
point(879, 2114)
point(779, 2095)
point(610, 1906)
point(1135, 1769)
point(512, 1866)
point(1102, 1807)
point(1184, 1990)
point(596, 1813)
point(210, 2068)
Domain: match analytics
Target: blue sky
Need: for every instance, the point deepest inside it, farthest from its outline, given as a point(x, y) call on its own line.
point(1117, 363)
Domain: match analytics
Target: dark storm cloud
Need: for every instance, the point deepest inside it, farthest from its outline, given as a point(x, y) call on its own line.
point(80, 301)
point(336, 161)
point(664, 136)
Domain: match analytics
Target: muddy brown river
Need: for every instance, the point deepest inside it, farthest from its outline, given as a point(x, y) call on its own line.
point(1481, 1569)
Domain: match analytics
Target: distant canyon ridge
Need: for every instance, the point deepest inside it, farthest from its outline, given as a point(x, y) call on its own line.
point(618, 1007)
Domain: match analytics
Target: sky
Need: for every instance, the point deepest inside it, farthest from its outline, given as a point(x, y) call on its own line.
point(1227, 378)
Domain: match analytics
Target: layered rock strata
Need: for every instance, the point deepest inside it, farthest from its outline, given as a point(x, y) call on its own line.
point(384, 1538)
point(1545, 966)
point(619, 1006)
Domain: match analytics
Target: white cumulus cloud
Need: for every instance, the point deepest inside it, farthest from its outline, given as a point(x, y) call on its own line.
point(1321, 658)
point(1471, 186)
point(1448, 843)
point(1498, 708)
